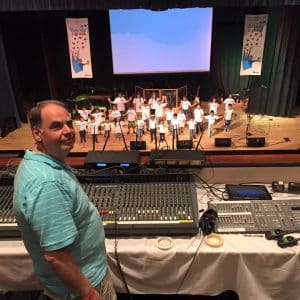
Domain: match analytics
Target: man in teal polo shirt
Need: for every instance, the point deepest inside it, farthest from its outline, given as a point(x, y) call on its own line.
point(61, 228)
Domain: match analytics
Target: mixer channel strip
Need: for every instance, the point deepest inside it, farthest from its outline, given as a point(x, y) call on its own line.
point(256, 215)
point(147, 208)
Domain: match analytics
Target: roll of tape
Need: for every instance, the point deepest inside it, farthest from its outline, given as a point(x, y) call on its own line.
point(164, 243)
point(214, 240)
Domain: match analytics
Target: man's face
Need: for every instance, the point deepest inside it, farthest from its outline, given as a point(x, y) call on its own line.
point(56, 136)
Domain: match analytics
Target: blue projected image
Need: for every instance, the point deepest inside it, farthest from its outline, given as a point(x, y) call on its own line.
point(176, 40)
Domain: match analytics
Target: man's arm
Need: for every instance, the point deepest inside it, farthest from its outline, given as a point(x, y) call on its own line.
point(67, 269)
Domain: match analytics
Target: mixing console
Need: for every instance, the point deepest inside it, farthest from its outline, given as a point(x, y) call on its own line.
point(146, 208)
point(8, 226)
point(257, 215)
point(149, 204)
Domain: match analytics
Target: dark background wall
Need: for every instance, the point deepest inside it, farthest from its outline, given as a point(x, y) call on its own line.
point(36, 52)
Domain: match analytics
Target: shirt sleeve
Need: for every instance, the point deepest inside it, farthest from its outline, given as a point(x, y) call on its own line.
point(52, 216)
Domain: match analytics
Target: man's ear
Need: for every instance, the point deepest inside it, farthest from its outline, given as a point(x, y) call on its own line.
point(36, 134)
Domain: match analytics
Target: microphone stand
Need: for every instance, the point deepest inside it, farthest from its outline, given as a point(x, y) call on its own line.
point(198, 144)
point(94, 138)
point(123, 137)
point(173, 137)
point(155, 137)
point(106, 140)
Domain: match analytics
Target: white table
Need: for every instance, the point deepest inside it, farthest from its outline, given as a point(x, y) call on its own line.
point(252, 266)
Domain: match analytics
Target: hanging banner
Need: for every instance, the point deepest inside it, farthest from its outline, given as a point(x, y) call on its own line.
point(79, 47)
point(253, 44)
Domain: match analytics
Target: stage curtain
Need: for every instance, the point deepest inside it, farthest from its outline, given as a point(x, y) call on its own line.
point(226, 51)
point(46, 5)
point(275, 92)
point(9, 117)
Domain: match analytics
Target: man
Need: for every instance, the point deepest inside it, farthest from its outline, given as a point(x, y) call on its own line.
point(61, 228)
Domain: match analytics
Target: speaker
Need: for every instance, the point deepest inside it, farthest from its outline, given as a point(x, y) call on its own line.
point(184, 144)
point(256, 141)
point(222, 142)
point(137, 145)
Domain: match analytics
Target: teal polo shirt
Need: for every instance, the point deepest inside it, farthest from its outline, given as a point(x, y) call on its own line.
point(54, 212)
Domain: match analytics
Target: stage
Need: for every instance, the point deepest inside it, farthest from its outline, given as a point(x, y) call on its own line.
point(281, 136)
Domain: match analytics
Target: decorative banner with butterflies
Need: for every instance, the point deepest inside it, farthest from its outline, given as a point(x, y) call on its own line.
point(79, 47)
point(253, 44)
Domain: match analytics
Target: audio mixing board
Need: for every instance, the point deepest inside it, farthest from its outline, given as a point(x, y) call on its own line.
point(149, 204)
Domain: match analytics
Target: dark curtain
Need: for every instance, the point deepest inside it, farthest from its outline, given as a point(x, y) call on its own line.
point(275, 92)
point(59, 5)
point(9, 117)
point(226, 51)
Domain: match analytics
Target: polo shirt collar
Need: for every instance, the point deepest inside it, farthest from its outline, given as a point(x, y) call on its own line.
point(41, 157)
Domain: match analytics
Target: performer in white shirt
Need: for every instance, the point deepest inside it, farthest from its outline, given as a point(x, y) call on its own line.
point(131, 116)
point(211, 120)
point(120, 101)
point(145, 113)
point(198, 117)
point(84, 112)
point(107, 127)
point(115, 114)
point(83, 127)
point(192, 127)
point(137, 102)
point(185, 105)
point(152, 127)
point(169, 116)
point(213, 105)
point(94, 130)
point(182, 119)
point(139, 127)
point(159, 110)
point(228, 114)
point(228, 100)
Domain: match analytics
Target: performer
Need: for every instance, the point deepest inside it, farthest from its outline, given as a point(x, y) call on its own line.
point(83, 127)
point(211, 120)
point(192, 126)
point(94, 130)
point(185, 105)
point(120, 101)
point(213, 105)
point(60, 226)
point(115, 114)
point(152, 127)
point(198, 117)
point(169, 116)
point(182, 119)
point(84, 112)
point(137, 102)
point(107, 128)
point(131, 116)
point(228, 117)
point(229, 100)
point(140, 127)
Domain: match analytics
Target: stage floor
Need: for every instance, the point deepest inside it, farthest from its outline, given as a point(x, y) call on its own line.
point(279, 133)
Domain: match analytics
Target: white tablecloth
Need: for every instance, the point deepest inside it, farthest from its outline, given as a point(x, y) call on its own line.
point(253, 267)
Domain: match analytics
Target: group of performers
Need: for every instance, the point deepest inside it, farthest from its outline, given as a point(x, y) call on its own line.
point(154, 116)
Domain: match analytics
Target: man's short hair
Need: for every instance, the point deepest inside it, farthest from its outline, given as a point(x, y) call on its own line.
point(35, 115)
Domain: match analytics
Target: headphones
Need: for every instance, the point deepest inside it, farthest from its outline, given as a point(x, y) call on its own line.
point(207, 221)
